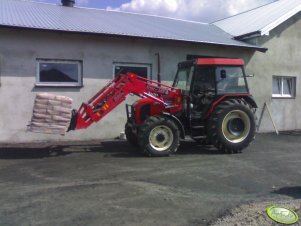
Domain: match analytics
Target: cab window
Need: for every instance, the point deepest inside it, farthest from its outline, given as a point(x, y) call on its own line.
point(183, 79)
point(230, 80)
point(204, 80)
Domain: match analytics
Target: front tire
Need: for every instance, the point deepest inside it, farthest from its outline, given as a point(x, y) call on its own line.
point(158, 136)
point(231, 127)
point(130, 136)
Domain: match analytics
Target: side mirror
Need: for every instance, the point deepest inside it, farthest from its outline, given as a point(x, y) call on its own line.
point(223, 74)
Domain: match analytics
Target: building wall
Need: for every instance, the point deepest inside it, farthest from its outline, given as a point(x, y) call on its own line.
point(282, 59)
point(19, 50)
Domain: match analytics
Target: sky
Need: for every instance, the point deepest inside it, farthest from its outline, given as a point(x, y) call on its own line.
point(195, 10)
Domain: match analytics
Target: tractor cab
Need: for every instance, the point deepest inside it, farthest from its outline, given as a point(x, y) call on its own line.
point(204, 80)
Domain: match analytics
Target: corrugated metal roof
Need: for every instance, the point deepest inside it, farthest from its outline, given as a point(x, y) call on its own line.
point(25, 14)
point(260, 20)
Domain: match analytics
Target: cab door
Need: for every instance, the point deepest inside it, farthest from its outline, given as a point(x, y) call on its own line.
point(182, 81)
point(203, 88)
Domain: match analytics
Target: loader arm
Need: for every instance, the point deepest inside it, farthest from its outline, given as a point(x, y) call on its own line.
point(116, 92)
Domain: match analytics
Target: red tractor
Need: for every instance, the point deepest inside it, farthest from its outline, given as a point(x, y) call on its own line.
point(209, 101)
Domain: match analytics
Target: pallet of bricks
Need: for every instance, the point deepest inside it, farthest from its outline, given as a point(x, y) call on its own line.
point(51, 114)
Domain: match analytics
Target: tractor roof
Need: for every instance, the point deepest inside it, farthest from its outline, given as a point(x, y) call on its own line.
point(219, 61)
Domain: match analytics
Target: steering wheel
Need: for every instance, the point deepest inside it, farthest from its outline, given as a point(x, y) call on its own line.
point(198, 92)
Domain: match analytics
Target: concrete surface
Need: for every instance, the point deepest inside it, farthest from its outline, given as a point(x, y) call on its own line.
point(109, 183)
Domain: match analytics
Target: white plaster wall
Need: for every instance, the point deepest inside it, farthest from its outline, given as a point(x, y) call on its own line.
point(284, 59)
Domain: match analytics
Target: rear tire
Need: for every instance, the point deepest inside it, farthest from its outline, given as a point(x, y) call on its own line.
point(130, 136)
point(158, 136)
point(231, 126)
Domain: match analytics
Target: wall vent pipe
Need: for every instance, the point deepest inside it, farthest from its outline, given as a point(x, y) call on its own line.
point(69, 3)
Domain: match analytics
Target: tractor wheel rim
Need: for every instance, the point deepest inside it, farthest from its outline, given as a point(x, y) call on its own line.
point(236, 126)
point(161, 138)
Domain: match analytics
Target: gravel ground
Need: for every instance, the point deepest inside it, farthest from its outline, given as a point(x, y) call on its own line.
point(255, 214)
point(109, 183)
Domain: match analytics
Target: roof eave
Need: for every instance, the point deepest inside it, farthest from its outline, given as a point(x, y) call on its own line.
point(253, 34)
point(257, 48)
point(260, 49)
point(266, 30)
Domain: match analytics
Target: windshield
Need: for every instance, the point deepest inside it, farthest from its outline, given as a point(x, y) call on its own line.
point(183, 78)
point(230, 80)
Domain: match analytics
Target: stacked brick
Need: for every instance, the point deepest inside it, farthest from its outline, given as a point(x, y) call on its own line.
point(51, 114)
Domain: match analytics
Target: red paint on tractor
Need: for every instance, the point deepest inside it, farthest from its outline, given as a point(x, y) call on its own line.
point(160, 96)
point(219, 61)
point(214, 105)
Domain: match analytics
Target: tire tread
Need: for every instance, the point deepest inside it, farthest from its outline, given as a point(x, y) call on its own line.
point(213, 128)
point(144, 130)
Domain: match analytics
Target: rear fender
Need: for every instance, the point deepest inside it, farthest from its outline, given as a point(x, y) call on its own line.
point(247, 97)
point(251, 101)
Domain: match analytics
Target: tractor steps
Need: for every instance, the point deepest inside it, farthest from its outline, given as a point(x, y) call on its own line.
point(197, 127)
point(199, 137)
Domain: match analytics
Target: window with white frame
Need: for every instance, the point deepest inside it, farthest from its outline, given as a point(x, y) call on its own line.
point(143, 70)
point(59, 73)
point(284, 87)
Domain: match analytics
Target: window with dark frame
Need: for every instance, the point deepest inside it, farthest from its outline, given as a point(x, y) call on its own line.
point(59, 73)
point(284, 87)
point(143, 70)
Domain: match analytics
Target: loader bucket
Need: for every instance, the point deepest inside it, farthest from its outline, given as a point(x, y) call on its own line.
point(51, 114)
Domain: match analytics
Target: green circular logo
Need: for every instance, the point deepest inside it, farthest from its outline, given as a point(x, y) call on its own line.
point(282, 215)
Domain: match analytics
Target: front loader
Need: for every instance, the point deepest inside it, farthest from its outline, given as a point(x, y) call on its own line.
point(208, 101)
